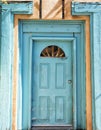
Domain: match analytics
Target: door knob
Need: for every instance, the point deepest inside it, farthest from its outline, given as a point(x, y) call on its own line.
point(69, 81)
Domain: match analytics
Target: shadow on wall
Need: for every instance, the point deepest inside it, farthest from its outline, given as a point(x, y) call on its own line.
point(58, 8)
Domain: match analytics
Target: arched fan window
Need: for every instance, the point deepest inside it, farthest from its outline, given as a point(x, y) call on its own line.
point(52, 51)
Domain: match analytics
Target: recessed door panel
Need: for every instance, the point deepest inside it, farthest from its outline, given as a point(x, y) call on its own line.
point(52, 93)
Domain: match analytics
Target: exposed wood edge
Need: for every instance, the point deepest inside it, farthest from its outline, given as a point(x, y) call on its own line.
point(88, 79)
point(15, 76)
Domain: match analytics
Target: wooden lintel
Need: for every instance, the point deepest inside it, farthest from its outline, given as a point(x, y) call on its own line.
point(17, 0)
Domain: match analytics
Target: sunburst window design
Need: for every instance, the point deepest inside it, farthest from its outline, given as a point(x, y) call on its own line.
point(52, 51)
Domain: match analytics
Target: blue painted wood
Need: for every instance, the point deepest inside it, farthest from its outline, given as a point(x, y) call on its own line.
point(0, 37)
point(51, 28)
point(28, 38)
point(21, 8)
point(6, 73)
point(26, 81)
point(81, 90)
point(6, 64)
point(86, 7)
point(94, 11)
point(97, 67)
point(52, 92)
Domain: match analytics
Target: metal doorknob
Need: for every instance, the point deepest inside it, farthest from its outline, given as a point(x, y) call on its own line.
point(69, 81)
point(33, 119)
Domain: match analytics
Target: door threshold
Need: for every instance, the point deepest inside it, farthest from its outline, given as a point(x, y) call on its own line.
point(52, 128)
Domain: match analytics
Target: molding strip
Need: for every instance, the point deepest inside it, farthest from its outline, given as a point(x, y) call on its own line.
point(94, 11)
point(6, 65)
point(86, 7)
point(19, 8)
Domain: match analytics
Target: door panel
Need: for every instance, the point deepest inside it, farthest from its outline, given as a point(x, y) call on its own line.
point(52, 92)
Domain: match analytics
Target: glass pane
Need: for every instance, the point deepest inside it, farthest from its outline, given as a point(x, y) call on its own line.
point(52, 51)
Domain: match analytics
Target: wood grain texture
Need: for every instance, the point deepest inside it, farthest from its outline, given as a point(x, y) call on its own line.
point(51, 9)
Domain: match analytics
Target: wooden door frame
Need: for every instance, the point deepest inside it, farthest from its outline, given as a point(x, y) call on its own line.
point(81, 24)
point(8, 79)
point(93, 10)
point(88, 48)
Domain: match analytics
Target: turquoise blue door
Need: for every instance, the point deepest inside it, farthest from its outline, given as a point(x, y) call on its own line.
point(52, 87)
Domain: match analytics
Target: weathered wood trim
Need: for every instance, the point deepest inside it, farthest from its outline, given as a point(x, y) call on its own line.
point(86, 7)
point(24, 8)
point(52, 128)
point(6, 65)
point(6, 71)
point(86, 19)
point(94, 11)
point(96, 54)
point(14, 1)
point(18, 0)
point(0, 40)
